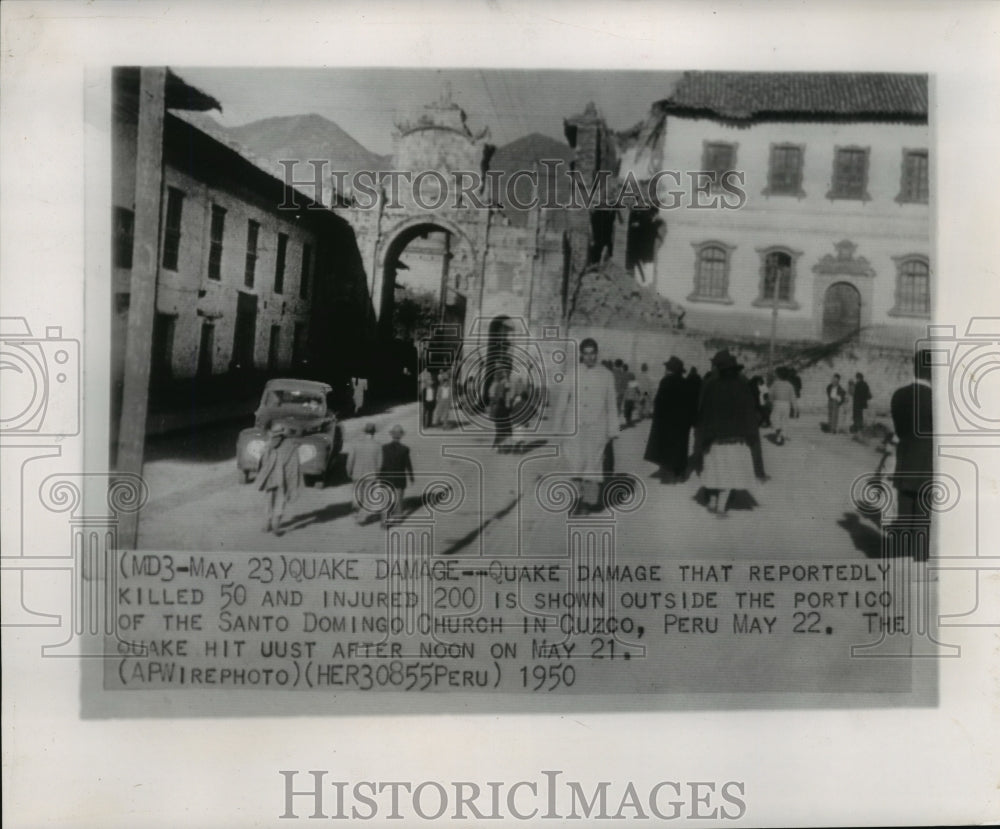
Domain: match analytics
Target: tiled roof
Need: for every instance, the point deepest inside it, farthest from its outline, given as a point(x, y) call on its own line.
point(750, 95)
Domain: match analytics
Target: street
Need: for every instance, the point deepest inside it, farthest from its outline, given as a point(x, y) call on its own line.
point(802, 512)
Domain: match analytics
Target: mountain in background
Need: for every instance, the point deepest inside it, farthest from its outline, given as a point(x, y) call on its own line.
point(527, 153)
point(299, 137)
point(307, 137)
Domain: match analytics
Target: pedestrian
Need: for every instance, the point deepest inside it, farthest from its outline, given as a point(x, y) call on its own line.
point(618, 370)
point(912, 418)
point(279, 476)
point(782, 394)
point(632, 395)
point(835, 396)
point(359, 388)
point(647, 390)
point(762, 399)
point(667, 445)
point(796, 381)
point(859, 402)
point(499, 403)
point(443, 406)
point(589, 414)
point(364, 461)
point(728, 422)
point(425, 385)
point(694, 384)
point(395, 470)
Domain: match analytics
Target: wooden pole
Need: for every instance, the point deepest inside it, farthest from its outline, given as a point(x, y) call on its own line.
point(142, 290)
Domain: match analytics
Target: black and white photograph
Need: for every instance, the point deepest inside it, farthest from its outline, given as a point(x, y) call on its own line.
point(609, 363)
point(501, 412)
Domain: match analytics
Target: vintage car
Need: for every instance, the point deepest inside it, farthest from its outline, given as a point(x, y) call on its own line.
point(303, 408)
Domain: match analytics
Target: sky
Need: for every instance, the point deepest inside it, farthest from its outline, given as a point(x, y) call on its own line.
point(365, 102)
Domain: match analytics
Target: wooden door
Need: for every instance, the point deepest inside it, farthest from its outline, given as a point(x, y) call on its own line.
point(841, 311)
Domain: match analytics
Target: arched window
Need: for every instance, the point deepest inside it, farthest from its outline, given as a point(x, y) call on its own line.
point(711, 274)
point(913, 286)
point(779, 274)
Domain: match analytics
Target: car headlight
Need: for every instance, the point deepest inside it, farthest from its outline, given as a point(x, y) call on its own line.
point(255, 448)
point(307, 452)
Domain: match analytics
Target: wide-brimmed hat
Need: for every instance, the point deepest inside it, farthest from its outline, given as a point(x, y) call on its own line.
point(675, 363)
point(396, 431)
point(369, 428)
point(723, 360)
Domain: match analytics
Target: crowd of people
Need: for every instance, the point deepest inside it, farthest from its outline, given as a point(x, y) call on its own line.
point(710, 426)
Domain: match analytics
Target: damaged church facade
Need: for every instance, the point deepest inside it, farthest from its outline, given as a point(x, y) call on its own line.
point(496, 258)
point(834, 235)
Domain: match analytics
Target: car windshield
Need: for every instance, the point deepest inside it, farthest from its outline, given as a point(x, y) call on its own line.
point(296, 398)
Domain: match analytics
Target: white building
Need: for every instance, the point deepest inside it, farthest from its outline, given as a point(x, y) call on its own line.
point(836, 216)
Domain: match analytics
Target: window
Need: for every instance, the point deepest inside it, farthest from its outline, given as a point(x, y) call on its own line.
point(717, 158)
point(784, 177)
point(206, 348)
point(124, 235)
point(273, 348)
point(253, 229)
point(777, 277)
point(913, 183)
point(161, 359)
point(305, 274)
point(172, 232)
point(850, 174)
point(711, 272)
point(299, 345)
point(215, 242)
point(279, 265)
point(913, 287)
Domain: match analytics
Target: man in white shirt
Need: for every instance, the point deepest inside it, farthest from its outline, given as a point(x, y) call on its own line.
point(594, 402)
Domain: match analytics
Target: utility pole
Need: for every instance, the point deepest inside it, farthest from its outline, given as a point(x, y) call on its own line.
point(142, 287)
point(774, 329)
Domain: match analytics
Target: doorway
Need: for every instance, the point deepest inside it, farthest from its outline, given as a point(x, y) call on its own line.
point(841, 311)
point(245, 332)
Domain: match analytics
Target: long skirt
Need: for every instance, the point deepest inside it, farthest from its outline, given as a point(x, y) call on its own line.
point(728, 466)
point(781, 414)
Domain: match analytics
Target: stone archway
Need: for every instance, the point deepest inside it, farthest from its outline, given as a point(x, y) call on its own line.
point(841, 311)
point(458, 268)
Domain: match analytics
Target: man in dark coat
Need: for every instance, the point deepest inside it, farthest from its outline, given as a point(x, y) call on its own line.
point(673, 409)
point(859, 402)
point(912, 419)
point(396, 471)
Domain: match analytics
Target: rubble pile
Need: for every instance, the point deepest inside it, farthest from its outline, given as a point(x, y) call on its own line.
point(608, 296)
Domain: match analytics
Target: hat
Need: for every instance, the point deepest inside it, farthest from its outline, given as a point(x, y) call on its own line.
point(369, 428)
point(674, 363)
point(723, 360)
point(396, 431)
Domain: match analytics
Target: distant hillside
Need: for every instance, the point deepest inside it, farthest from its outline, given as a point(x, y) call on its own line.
point(300, 137)
point(306, 137)
point(309, 137)
point(527, 153)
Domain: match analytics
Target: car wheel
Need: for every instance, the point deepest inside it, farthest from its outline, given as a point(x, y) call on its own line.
point(319, 482)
